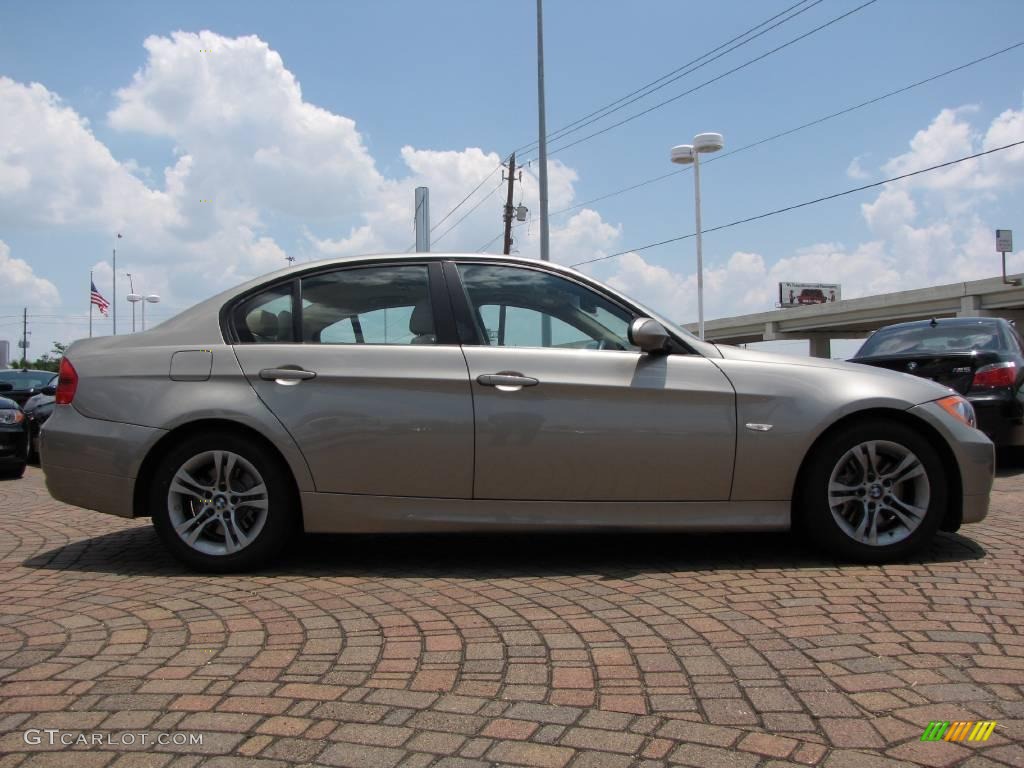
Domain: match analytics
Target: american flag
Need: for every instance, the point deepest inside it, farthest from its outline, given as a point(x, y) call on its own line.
point(96, 298)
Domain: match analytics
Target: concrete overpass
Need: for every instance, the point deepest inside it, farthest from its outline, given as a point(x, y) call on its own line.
point(858, 318)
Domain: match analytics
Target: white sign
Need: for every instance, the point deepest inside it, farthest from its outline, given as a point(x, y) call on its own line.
point(801, 294)
point(1004, 241)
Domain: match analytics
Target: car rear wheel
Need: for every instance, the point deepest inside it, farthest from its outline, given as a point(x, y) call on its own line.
point(873, 492)
point(12, 471)
point(222, 503)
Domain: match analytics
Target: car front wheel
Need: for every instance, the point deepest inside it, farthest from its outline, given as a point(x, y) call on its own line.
point(873, 492)
point(222, 503)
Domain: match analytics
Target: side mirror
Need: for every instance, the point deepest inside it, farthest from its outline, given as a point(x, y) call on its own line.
point(6, 386)
point(649, 335)
point(49, 390)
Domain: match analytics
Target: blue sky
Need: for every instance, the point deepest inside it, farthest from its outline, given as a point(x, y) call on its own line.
point(445, 78)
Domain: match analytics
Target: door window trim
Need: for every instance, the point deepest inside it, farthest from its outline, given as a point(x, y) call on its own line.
point(467, 318)
point(440, 302)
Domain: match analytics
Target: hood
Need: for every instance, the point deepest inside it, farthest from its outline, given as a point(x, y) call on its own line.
point(911, 388)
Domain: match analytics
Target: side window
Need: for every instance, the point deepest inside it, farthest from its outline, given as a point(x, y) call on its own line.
point(513, 305)
point(368, 305)
point(265, 318)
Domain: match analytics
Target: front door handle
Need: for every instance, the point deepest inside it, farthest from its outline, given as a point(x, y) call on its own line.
point(506, 381)
point(286, 376)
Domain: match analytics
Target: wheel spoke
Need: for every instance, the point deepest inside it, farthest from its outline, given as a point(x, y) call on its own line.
point(185, 484)
point(259, 490)
point(196, 524)
point(907, 469)
point(840, 492)
point(234, 537)
point(908, 514)
point(229, 468)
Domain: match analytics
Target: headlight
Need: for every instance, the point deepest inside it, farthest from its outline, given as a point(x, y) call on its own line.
point(959, 408)
point(11, 416)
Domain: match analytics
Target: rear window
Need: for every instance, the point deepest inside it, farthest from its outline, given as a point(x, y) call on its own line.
point(937, 340)
point(25, 381)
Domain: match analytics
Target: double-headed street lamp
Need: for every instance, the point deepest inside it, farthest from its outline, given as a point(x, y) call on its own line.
point(137, 297)
point(684, 154)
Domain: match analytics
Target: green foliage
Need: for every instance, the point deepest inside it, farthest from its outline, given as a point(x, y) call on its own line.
point(48, 362)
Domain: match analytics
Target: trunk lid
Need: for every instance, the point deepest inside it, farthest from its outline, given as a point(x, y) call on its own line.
point(951, 369)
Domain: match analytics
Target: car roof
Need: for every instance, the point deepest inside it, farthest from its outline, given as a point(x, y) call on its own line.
point(955, 321)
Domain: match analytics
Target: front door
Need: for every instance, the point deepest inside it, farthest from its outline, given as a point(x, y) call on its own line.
point(567, 409)
point(377, 400)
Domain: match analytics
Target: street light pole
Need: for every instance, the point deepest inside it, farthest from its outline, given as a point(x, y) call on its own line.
point(542, 153)
point(684, 154)
point(152, 299)
point(131, 287)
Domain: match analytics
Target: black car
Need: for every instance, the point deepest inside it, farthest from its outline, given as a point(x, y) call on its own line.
point(19, 384)
point(38, 409)
point(13, 439)
point(982, 358)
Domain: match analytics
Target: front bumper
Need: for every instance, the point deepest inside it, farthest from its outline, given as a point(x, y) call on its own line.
point(975, 457)
point(13, 444)
point(1000, 416)
point(93, 463)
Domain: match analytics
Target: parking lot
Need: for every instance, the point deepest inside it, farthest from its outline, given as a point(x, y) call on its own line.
point(557, 650)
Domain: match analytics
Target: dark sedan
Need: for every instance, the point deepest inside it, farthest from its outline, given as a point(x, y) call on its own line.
point(19, 384)
point(13, 439)
point(38, 409)
point(982, 358)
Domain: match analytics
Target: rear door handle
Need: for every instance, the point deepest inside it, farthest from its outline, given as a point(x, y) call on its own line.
point(507, 381)
point(286, 376)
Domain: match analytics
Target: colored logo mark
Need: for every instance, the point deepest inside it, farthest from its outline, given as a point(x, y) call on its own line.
point(958, 731)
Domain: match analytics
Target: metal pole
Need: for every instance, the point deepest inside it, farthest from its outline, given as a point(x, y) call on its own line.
point(90, 303)
point(700, 247)
point(115, 291)
point(542, 159)
point(24, 338)
point(143, 313)
point(507, 249)
point(422, 218)
point(543, 137)
point(131, 287)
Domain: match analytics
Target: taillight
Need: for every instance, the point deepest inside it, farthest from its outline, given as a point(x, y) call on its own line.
point(995, 376)
point(67, 382)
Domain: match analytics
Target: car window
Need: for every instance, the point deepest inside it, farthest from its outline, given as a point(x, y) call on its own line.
point(936, 339)
point(266, 318)
point(26, 380)
point(368, 305)
point(511, 304)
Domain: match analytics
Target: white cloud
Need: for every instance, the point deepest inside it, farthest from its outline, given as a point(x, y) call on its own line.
point(22, 284)
point(856, 171)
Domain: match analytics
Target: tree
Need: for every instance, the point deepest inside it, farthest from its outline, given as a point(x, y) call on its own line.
point(51, 360)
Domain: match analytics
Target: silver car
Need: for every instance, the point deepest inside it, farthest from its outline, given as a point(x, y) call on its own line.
point(449, 392)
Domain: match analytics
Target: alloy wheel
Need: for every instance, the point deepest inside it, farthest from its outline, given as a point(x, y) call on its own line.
point(879, 492)
point(217, 502)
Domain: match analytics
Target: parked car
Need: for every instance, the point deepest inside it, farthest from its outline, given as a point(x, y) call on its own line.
point(19, 384)
point(438, 392)
point(38, 409)
point(13, 439)
point(982, 358)
point(811, 296)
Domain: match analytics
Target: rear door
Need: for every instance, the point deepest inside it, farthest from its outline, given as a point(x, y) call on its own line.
point(362, 367)
point(566, 409)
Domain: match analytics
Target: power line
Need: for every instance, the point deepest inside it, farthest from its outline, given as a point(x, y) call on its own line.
point(482, 200)
point(673, 76)
point(463, 200)
point(804, 204)
point(715, 79)
point(789, 132)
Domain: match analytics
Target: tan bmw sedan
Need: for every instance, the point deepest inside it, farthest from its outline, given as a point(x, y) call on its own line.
point(447, 392)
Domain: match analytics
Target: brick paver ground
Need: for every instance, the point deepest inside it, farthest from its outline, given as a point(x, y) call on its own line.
point(546, 651)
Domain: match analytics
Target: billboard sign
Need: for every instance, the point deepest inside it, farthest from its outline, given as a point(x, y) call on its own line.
point(802, 294)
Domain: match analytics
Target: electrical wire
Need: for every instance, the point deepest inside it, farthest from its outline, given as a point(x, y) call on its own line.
point(482, 200)
point(791, 131)
point(671, 77)
point(804, 204)
point(715, 79)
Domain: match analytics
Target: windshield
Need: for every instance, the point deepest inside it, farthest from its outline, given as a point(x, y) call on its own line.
point(939, 339)
point(25, 380)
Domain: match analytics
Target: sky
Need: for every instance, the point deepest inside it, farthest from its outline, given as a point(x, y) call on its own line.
point(221, 138)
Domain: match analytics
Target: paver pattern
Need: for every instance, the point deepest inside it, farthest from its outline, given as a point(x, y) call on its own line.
point(543, 651)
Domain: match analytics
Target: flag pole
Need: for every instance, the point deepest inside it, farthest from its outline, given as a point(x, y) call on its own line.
point(90, 303)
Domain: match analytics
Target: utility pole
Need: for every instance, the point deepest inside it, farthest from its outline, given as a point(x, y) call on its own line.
point(24, 338)
point(508, 204)
point(421, 218)
point(545, 255)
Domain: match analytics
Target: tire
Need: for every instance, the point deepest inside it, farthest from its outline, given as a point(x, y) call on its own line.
point(873, 473)
point(13, 471)
point(237, 524)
